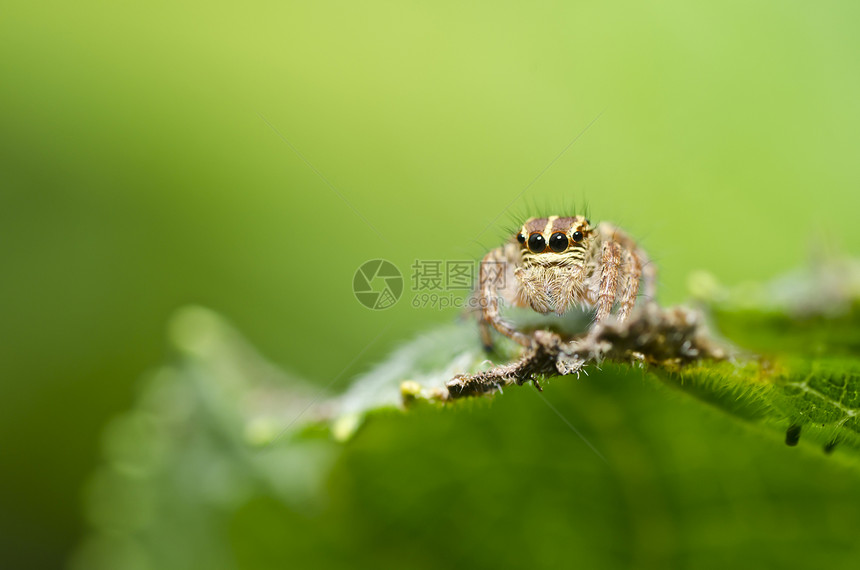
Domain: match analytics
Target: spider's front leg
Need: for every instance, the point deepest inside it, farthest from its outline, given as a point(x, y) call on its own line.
point(610, 260)
point(636, 266)
point(631, 272)
point(494, 273)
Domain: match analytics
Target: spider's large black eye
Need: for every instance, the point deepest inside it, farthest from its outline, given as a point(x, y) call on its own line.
point(577, 237)
point(558, 242)
point(536, 243)
point(521, 238)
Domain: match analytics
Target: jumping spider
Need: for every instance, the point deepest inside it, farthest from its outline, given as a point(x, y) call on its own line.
point(557, 263)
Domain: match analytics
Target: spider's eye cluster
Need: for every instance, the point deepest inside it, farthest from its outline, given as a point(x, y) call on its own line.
point(558, 241)
point(536, 243)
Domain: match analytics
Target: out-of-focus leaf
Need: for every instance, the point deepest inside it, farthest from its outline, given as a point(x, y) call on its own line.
point(228, 462)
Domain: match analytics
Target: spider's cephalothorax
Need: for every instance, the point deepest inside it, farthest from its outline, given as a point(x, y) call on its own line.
point(557, 263)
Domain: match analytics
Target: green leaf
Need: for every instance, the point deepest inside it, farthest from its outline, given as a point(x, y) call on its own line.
point(228, 462)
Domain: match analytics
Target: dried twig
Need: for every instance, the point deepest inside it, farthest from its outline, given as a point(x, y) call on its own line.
point(669, 338)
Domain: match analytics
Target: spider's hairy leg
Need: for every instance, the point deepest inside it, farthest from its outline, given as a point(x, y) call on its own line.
point(632, 271)
point(648, 269)
point(611, 259)
point(489, 294)
point(486, 332)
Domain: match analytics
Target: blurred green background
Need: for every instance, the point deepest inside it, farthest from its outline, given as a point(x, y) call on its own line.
point(138, 173)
